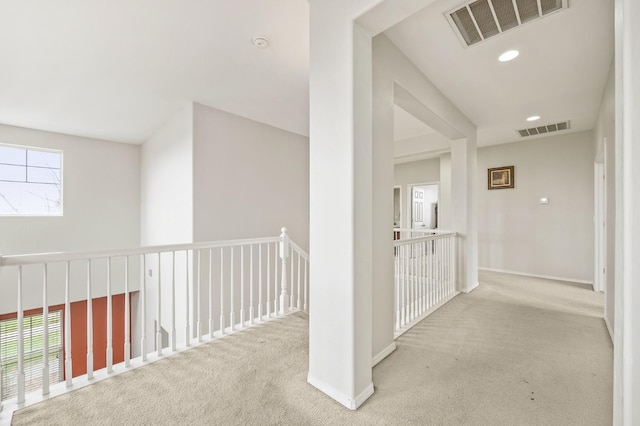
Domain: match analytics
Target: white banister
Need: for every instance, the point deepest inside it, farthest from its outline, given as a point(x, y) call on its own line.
point(222, 291)
point(424, 275)
point(143, 310)
point(197, 302)
point(268, 302)
point(187, 331)
point(109, 320)
point(245, 294)
point(45, 337)
point(21, 388)
point(211, 322)
point(284, 254)
point(89, 324)
point(251, 313)
point(174, 337)
point(241, 286)
point(127, 315)
point(232, 316)
point(67, 329)
point(159, 308)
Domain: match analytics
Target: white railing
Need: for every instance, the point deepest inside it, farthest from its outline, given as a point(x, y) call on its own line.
point(425, 275)
point(179, 295)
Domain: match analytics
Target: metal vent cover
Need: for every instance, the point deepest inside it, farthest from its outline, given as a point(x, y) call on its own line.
point(547, 128)
point(479, 20)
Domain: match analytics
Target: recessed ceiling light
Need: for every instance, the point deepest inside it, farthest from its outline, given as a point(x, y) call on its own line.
point(509, 55)
point(260, 42)
point(533, 118)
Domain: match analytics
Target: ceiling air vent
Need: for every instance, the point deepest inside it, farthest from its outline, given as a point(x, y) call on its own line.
point(478, 20)
point(540, 130)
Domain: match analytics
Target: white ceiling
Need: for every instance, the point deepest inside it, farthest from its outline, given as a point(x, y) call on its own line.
point(118, 69)
point(560, 73)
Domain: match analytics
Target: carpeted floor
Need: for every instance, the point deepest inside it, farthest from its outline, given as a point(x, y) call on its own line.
point(516, 351)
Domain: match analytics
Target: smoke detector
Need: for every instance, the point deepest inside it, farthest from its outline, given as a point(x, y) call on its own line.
point(260, 42)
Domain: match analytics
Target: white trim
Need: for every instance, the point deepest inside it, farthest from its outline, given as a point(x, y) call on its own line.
point(350, 403)
point(609, 328)
point(546, 277)
point(383, 354)
point(469, 290)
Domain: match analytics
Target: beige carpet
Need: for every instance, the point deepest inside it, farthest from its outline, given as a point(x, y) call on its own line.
point(516, 351)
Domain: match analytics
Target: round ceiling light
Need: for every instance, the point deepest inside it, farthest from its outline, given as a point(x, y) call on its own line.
point(509, 55)
point(260, 42)
point(533, 118)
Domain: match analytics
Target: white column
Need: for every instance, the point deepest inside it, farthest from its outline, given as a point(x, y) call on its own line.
point(626, 389)
point(340, 204)
point(383, 268)
point(463, 209)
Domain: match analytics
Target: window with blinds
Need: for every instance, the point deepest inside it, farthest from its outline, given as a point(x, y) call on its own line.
point(33, 331)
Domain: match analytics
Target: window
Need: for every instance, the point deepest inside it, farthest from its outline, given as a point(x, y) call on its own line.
point(30, 181)
point(33, 332)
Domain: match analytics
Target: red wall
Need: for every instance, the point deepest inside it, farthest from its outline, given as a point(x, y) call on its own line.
point(79, 332)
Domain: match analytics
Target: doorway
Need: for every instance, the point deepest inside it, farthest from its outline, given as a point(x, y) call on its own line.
point(424, 205)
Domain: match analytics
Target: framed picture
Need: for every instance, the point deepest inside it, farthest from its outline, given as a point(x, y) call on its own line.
point(501, 177)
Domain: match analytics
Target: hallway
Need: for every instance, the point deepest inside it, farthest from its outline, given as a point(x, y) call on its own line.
point(516, 351)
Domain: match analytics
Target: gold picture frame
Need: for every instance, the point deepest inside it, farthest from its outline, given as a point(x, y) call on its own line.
point(501, 177)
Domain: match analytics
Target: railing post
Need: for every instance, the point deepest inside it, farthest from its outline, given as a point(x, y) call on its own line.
point(284, 254)
point(21, 376)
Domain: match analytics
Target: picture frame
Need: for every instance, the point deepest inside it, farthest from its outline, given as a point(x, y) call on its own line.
point(501, 177)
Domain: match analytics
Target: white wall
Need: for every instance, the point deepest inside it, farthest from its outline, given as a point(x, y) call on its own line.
point(516, 233)
point(101, 193)
point(166, 169)
point(101, 185)
point(605, 128)
point(250, 179)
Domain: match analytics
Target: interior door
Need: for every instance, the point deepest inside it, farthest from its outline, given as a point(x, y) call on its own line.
point(417, 213)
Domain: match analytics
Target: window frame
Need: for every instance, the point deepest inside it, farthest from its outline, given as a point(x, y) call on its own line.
point(61, 184)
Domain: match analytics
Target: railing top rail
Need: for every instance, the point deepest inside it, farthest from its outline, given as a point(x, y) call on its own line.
point(423, 230)
point(432, 237)
point(303, 253)
point(26, 259)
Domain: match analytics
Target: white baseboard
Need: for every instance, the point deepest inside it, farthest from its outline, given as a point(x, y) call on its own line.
point(467, 291)
point(606, 321)
point(350, 403)
point(383, 354)
point(546, 277)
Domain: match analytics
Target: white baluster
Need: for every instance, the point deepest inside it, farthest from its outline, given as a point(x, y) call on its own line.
point(396, 279)
point(198, 303)
point(67, 329)
point(268, 302)
point(187, 331)
point(298, 301)
point(402, 286)
point(174, 333)
point(222, 290)
point(251, 313)
point(109, 320)
point(159, 308)
point(275, 279)
point(306, 285)
point(21, 387)
point(412, 293)
point(89, 324)
point(127, 315)
point(284, 254)
point(241, 286)
point(259, 282)
point(290, 280)
point(143, 309)
point(232, 316)
point(211, 323)
point(45, 326)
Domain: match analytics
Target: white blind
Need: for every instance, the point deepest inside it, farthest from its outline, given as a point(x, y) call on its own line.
point(33, 326)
